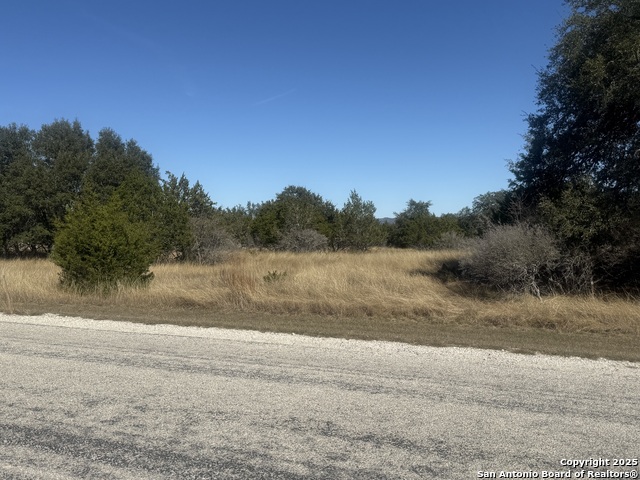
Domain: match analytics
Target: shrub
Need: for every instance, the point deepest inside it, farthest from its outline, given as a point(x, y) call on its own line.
point(450, 240)
point(99, 247)
point(275, 276)
point(303, 241)
point(517, 258)
point(211, 242)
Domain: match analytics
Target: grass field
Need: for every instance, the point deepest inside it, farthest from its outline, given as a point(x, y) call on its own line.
point(386, 294)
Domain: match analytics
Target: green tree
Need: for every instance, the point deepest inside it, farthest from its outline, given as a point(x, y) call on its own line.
point(415, 227)
point(114, 161)
point(63, 153)
point(357, 226)
point(294, 209)
point(265, 227)
point(487, 210)
point(588, 122)
point(194, 198)
point(99, 246)
point(585, 137)
point(237, 221)
point(145, 202)
point(22, 199)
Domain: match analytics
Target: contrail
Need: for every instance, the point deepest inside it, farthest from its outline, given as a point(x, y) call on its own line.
point(275, 97)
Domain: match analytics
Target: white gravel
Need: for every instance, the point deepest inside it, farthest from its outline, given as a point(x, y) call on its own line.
point(370, 347)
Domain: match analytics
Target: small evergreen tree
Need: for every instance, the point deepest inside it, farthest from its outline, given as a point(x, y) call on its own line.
point(99, 247)
point(414, 227)
point(358, 228)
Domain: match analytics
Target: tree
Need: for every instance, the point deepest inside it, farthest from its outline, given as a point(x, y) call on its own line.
point(585, 136)
point(487, 210)
point(21, 196)
point(145, 202)
point(114, 161)
point(588, 122)
point(294, 209)
point(211, 242)
point(195, 199)
point(238, 221)
point(357, 227)
point(99, 246)
point(414, 227)
point(265, 228)
point(63, 153)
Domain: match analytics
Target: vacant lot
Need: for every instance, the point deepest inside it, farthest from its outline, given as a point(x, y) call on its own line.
point(386, 294)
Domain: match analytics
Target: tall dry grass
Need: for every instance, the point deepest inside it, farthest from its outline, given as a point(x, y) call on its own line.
point(385, 284)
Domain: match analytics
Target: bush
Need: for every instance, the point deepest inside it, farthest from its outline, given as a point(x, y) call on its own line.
point(98, 247)
point(516, 258)
point(275, 276)
point(450, 240)
point(211, 242)
point(303, 241)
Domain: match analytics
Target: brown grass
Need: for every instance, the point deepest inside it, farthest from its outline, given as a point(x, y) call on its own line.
point(392, 292)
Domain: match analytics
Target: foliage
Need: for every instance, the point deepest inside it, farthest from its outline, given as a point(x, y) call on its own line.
point(211, 242)
point(265, 227)
point(414, 227)
point(357, 227)
point(237, 221)
point(274, 276)
point(576, 217)
point(144, 201)
point(487, 210)
point(115, 160)
point(295, 209)
point(450, 240)
point(23, 198)
point(193, 198)
point(588, 123)
point(581, 160)
point(517, 258)
point(99, 246)
point(44, 173)
point(306, 240)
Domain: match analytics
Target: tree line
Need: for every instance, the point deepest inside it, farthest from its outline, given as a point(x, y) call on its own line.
point(55, 174)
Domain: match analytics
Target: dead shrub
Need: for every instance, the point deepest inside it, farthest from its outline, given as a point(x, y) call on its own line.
point(211, 242)
point(306, 240)
point(515, 258)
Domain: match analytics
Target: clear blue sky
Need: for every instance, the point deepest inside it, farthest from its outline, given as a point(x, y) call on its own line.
point(397, 99)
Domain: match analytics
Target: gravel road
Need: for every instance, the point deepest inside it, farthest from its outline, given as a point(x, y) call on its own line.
point(85, 399)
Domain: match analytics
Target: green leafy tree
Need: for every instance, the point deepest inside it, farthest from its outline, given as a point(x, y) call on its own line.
point(577, 218)
point(265, 228)
point(99, 246)
point(22, 197)
point(238, 222)
point(301, 209)
point(144, 201)
point(196, 200)
point(114, 161)
point(585, 137)
point(63, 153)
point(415, 227)
point(294, 209)
point(588, 122)
point(357, 226)
point(487, 210)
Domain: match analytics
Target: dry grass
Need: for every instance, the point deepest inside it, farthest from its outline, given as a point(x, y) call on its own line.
point(390, 290)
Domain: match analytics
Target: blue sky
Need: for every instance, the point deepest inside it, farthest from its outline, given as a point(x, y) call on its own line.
point(396, 99)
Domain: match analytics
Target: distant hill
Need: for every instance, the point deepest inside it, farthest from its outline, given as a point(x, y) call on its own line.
point(387, 220)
